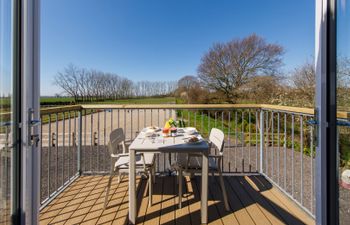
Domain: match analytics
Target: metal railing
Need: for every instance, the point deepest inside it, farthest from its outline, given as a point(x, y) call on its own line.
point(275, 141)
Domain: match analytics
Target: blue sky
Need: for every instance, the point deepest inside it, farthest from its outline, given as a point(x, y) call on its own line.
point(164, 39)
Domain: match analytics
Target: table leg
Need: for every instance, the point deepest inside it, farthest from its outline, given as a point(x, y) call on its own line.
point(204, 199)
point(132, 188)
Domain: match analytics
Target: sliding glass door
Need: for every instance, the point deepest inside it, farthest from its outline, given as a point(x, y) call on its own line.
point(343, 107)
point(19, 110)
point(8, 131)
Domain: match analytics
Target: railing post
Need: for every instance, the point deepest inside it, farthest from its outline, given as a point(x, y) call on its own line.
point(262, 140)
point(80, 139)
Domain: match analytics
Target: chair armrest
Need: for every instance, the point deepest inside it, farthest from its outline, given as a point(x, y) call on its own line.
point(124, 155)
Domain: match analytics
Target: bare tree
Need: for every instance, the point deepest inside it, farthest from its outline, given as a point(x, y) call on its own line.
point(92, 85)
point(228, 66)
point(303, 80)
point(68, 80)
point(262, 89)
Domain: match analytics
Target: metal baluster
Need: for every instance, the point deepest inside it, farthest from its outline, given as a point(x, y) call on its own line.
point(222, 128)
point(91, 139)
point(63, 145)
point(112, 111)
point(279, 147)
point(312, 167)
point(151, 117)
point(236, 140)
point(267, 143)
point(80, 139)
point(195, 119)
point(256, 140)
point(104, 140)
point(49, 158)
point(242, 141)
point(144, 118)
point(41, 148)
point(272, 145)
point(98, 141)
point(159, 118)
point(125, 131)
point(138, 120)
point(131, 125)
point(215, 119)
point(85, 140)
point(202, 122)
point(69, 143)
point(208, 123)
point(285, 150)
point(229, 141)
point(182, 118)
point(301, 158)
point(249, 130)
point(262, 141)
point(56, 151)
point(293, 155)
point(215, 125)
point(188, 118)
point(118, 118)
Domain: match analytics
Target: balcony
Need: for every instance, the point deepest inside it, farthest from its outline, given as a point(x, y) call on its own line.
point(269, 165)
point(253, 200)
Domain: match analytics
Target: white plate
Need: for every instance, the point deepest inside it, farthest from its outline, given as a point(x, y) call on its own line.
point(149, 133)
point(190, 130)
point(151, 129)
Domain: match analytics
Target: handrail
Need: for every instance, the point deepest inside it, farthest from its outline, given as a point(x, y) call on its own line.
point(60, 109)
point(172, 106)
point(289, 109)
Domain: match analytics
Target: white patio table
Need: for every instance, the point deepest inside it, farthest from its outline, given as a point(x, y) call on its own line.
point(166, 145)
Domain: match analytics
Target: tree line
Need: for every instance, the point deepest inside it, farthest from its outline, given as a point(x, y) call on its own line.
point(94, 85)
point(246, 70)
point(249, 70)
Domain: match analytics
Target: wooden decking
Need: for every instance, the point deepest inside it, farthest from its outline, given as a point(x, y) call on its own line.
point(253, 200)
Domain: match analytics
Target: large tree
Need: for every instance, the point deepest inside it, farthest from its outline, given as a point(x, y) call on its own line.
point(228, 66)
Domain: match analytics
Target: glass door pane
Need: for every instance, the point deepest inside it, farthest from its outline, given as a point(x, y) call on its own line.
point(5, 109)
point(343, 107)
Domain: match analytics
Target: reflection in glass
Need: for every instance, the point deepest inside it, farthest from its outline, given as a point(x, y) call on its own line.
point(5, 109)
point(343, 104)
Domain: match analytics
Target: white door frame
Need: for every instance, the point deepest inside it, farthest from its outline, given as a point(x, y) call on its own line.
point(327, 209)
point(30, 82)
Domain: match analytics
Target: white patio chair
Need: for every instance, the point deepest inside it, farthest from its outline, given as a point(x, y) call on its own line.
point(120, 162)
point(192, 163)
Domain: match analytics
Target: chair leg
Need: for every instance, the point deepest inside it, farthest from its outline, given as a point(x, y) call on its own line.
point(119, 178)
point(154, 174)
point(150, 187)
point(223, 189)
point(108, 188)
point(180, 187)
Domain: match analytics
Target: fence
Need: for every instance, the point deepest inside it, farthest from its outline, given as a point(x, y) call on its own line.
point(275, 141)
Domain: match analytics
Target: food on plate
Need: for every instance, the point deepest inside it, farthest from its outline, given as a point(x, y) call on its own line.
point(193, 139)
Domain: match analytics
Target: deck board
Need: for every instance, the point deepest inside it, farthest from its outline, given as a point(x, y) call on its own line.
point(253, 200)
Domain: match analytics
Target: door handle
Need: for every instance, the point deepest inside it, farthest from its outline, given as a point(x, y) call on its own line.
point(33, 139)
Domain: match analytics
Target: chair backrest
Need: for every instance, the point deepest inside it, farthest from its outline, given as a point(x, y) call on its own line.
point(116, 139)
point(217, 137)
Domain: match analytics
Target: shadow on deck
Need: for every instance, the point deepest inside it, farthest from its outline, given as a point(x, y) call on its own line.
point(253, 200)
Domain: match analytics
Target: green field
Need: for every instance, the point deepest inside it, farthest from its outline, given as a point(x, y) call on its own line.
point(68, 100)
point(61, 101)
